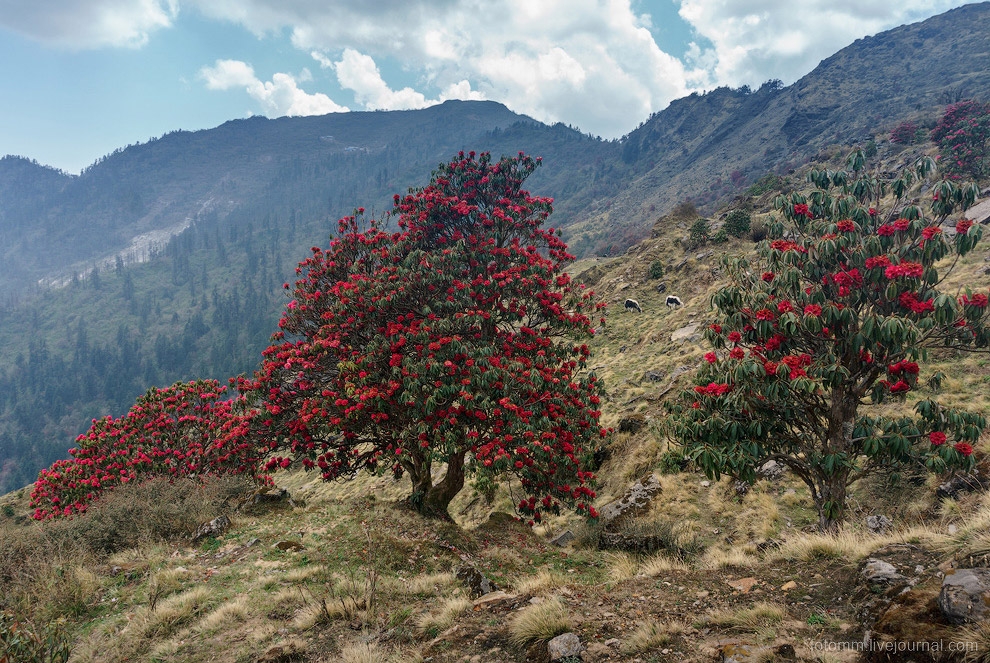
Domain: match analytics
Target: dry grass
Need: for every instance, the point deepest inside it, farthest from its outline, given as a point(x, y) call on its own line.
point(232, 612)
point(849, 544)
point(716, 559)
point(431, 624)
point(540, 622)
point(650, 636)
point(172, 613)
point(543, 581)
point(661, 563)
point(621, 567)
point(759, 616)
point(429, 584)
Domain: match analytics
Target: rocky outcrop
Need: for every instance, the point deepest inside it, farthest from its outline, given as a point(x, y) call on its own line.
point(965, 595)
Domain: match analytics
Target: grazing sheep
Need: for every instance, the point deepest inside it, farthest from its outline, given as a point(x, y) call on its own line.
point(632, 304)
point(674, 302)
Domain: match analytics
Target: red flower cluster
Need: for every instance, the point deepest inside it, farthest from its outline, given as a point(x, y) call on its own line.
point(903, 367)
point(846, 226)
point(182, 430)
point(910, 301)
point(785, 245)
point(979, 300)
point(963, 448)
point(963, 226)
point(905, 268)
point(937, 438)
point(713, 389)
point(813, 310)
point(801, 209)
point(877, 261)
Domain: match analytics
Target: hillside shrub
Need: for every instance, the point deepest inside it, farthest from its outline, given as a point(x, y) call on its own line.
point(737, 223)
point(454, 342)
point(963, 137)
point(187, 429)
point(23, 642)
point(699, 233)
point(656, 269)
point(836, 312)
point(904, 133)
point(767, 183)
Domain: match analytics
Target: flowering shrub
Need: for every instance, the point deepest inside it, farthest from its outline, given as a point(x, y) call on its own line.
point(833, 317)
point(963, 136)
point(450, 341)
point(187, 429)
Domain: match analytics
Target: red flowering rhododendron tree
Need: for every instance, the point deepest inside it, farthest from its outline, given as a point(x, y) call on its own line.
point(835, 313)
point(963, 137)
point(454, 341)
point(188, 429)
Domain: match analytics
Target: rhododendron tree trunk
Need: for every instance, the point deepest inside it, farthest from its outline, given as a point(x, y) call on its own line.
point(454, 342)
point(836, 313)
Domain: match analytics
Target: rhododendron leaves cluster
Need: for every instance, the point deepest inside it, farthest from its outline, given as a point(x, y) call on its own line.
point(188, 429)
point(457, 340)
point(834, 314)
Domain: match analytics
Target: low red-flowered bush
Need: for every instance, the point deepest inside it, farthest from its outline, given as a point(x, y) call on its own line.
point(187, 429)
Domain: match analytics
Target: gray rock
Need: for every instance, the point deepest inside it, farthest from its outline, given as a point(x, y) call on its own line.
point(214, 528)
point(654, 376)
point(965, 595)
point(772, 470)
point(475, 581)
point(741, 487)
point(878, 524)
point(564, 646)
point(662, 288)
point(636, 500)
point(961, 483)
point(879, 572)
point(687, 333)
point(563, 538)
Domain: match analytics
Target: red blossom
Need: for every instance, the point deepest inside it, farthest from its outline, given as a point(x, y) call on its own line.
point(963, 448)
point(963, 226)
point(936, 438)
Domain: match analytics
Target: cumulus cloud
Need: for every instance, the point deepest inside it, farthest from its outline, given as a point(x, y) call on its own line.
point(593, 63)
point(80, 24)
point(754, 41)
point(279, 96)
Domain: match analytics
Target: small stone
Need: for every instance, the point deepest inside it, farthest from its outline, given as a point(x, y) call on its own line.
point(787, 586)
point(564, 646)
point(743, 585)
point(289, 545)
point(214, 528)
point(615, 643)
point(878, 524)
point(475, 580)
point(563, 538)
point(706, 484)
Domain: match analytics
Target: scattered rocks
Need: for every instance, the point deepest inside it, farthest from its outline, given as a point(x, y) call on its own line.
point(965, 595)
point(567, 645)
point(563, 538)
point(878, 524)
point(213, 529)
point(475, 581)
point(879, 572)
point(289, 545)
point(634, 502)
point(492, 599)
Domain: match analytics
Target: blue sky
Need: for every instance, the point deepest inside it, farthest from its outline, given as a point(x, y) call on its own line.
point(84, 77)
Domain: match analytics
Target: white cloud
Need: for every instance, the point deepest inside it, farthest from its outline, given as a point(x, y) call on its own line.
point(756, 40)
point(357, 72)
point(79, 24)
point(277, 97)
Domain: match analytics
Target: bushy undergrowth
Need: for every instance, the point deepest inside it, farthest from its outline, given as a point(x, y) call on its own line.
point(46, 568)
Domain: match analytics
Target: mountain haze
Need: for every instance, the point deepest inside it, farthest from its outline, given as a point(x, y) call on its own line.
point(165, 260)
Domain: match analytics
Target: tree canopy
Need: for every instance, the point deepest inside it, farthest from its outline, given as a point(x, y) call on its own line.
point(455, 340)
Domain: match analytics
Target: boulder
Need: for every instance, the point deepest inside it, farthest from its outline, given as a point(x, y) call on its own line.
point(214, 528)
point(879, 572)
point(965, 595)
point(961, 483)
point(567, 645)
point(636, 500)
point(475, 581)
point(563, 538)
point(771, 470)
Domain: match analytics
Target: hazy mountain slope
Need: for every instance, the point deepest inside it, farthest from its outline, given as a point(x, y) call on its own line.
point(703, 147)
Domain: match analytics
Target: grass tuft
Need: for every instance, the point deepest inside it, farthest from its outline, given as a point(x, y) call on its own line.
point(539, 623)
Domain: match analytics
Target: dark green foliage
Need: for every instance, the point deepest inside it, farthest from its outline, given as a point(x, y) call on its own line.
point(737, 223)
point(656, 269)
point(699, 233)
point(24, 642)
point(758, 233)
point(767, 183)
